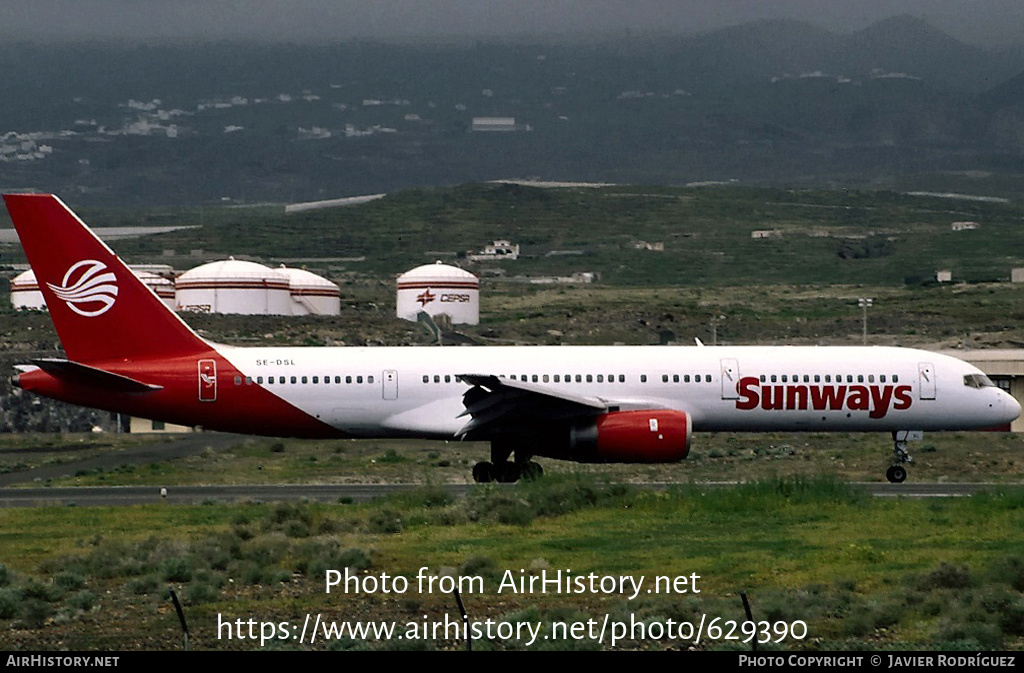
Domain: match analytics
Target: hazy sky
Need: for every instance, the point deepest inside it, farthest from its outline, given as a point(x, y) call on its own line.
point(996, 22)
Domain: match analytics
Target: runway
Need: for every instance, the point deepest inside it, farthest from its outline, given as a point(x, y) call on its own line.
point(102, 496)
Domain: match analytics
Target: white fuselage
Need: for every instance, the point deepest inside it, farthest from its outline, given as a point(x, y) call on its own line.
point(416, 392)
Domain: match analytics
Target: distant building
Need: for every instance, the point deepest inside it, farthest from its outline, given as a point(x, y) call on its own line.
point(490, 124)
point(1017, 275)
point(944, 276)
point(766, 233)
point(496, 250)
point(965, 226)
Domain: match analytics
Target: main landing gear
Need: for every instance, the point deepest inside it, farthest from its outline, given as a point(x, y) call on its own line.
point(897, 474)
point(499, 468)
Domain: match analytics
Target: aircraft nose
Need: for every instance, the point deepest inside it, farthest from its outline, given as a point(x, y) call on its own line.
point(1012, 406)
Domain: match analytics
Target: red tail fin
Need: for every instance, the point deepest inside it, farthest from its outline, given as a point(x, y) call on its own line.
point(101, 310)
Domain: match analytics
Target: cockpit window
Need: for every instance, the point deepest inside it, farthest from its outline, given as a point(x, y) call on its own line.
point(978, 381)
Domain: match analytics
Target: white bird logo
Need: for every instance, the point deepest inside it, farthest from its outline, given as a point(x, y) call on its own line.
point(92, 287)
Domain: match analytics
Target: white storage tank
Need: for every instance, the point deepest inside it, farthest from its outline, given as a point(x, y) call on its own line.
point(25, 294)
point(161, 287)
point(234, 286)
point(312, 294)
point(439, 289)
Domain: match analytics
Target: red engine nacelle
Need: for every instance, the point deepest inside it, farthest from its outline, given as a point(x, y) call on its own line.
point(645, 436)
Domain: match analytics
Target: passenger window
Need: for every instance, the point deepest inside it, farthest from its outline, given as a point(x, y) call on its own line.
point(643, 378)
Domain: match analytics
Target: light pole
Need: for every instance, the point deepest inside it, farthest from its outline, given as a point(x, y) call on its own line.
point(865, 303)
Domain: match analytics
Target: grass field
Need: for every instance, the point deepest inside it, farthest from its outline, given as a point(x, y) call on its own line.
point(859, 572)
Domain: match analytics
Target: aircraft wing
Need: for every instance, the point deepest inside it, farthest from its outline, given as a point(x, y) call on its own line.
point(493, 402)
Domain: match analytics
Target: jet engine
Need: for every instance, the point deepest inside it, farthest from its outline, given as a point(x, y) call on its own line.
point(644, 436)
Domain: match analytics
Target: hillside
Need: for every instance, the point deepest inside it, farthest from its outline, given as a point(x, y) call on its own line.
point(773, 102)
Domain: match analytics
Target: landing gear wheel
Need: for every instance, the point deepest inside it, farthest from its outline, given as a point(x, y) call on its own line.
point(507, 472)
point(532, 470)
point(896, 474)
point(483, 472)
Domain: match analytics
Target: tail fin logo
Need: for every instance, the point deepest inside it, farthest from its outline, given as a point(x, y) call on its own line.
point(90, 292)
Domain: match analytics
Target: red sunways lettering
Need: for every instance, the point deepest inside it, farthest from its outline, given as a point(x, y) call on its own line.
point(875, 399)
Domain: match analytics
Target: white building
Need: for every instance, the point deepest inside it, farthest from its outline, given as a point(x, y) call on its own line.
point(438, 289)
point(311, 294)
point(234, 286)
point(497, 250)
point(490, 124)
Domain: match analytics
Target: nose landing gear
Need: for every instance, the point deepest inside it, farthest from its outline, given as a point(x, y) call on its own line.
point(897, 474)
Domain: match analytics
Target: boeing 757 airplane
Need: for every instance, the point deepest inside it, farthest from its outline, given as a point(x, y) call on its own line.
point(126, 352)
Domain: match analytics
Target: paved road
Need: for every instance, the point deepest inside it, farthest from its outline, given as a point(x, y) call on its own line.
point(180, 495)
point(152, 452)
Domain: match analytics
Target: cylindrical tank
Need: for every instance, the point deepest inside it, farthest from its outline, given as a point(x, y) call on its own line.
point(439, 289)
point(234, 286)
point(25, 294)
point(311, 294)
point(161, 287)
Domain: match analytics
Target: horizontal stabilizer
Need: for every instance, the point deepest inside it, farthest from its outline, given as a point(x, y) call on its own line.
point(79, 373)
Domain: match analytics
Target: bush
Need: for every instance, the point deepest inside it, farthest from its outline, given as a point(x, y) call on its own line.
point(384, 521)
point(177, 569)
point(946, 576)
point(83, 600)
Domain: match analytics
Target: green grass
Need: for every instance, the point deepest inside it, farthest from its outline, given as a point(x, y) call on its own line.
point(808, 549)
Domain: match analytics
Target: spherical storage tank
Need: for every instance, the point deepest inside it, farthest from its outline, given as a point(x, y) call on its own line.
point(311, 294)
point(439, 289)
point(234, 286)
